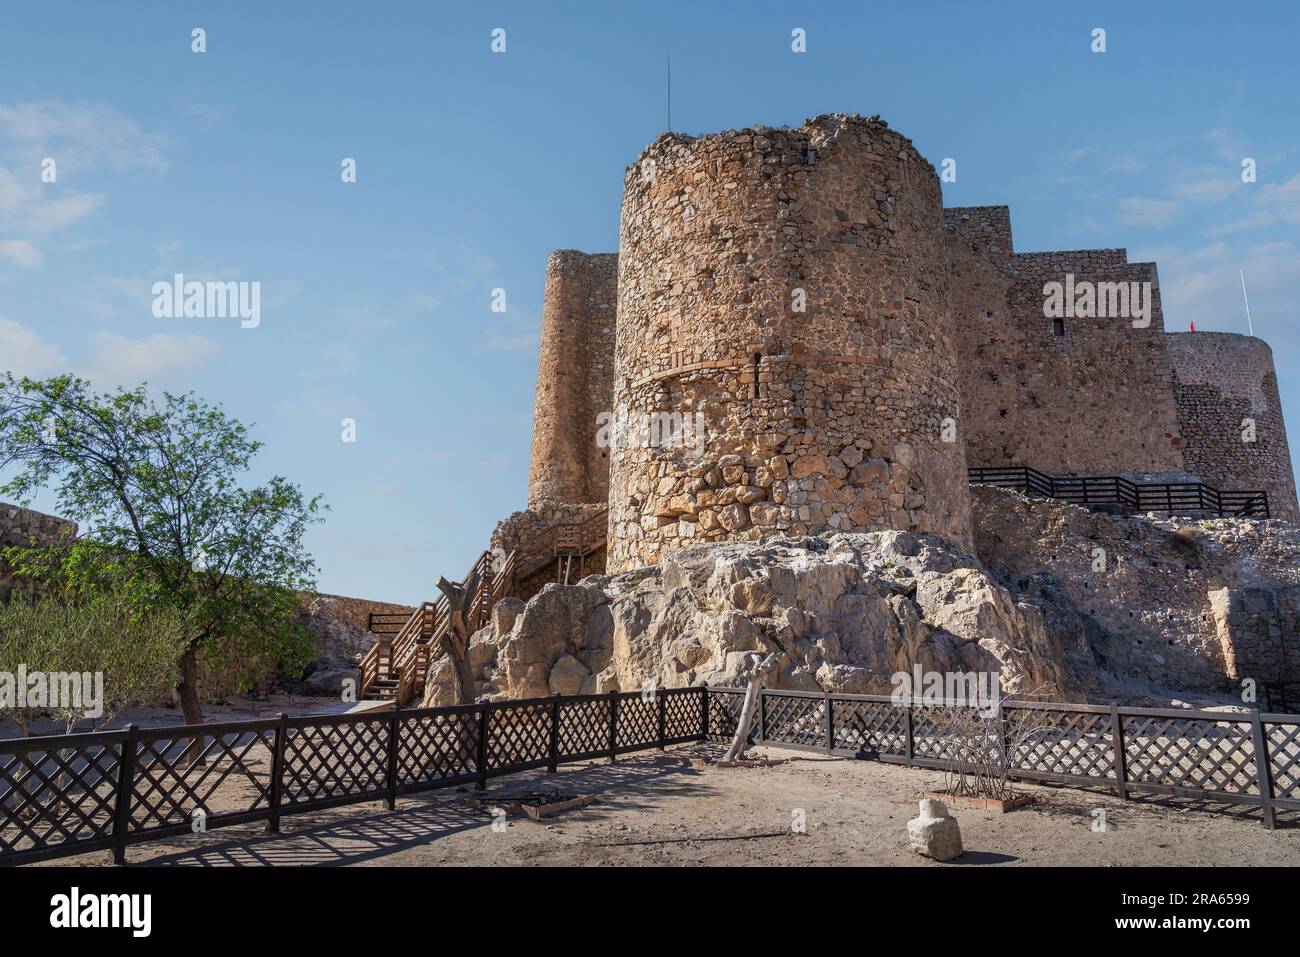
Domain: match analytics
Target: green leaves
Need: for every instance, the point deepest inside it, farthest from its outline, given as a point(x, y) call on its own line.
point(156, 488)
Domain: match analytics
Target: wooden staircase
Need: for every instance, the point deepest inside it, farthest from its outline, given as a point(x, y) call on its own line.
point(397, 667)
point(568, 547)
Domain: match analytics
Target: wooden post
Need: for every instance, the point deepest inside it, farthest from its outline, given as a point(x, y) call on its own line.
point(125, 785)
point(481, 759)
point(830, 723)
point(278, 744)
point(662, 700)
point(613, 724)
point(704, 711)
point(1002, 741)
point(553, 748)
point(1118, 757)
point(1263, 769)
point(907, 726)
point(394, 729)
point(762, 715)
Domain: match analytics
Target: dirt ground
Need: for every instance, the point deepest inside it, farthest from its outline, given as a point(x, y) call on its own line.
point(236, 709)
point(660, 810)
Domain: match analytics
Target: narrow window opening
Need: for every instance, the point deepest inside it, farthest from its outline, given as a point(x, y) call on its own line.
point(1058, 326)
point(758, 357)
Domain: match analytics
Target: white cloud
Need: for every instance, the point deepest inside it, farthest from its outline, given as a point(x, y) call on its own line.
point(1207, 185)
point(1143, 211)
point(162, 358)
point(78, 137)
point(1204, 285)
point(25, 208)
point(24, 352)
point(512, 332)
point(111, 360)
point(425, 301)
point(81, 136)
point(22, 252)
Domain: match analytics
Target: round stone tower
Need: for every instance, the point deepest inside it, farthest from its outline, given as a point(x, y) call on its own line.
point(1230, 416)
point(784, 361)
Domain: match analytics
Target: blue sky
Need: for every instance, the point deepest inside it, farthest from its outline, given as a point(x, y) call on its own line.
point(474, 166)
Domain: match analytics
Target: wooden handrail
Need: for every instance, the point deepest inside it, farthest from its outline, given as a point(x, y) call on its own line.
point(1105, 489)
point(409, 653)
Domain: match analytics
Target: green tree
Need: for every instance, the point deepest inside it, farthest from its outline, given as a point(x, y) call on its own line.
point(156, 486)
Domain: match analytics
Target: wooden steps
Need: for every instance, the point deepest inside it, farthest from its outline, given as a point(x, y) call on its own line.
point(397, 666)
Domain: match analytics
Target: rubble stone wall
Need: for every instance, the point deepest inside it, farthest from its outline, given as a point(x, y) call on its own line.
point(575, 371)
point(22, 526)
point(790, 286)
point(1090, 395)
point(1220, 380)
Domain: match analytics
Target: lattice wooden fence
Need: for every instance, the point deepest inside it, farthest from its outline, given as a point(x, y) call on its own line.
point(1251, 758)
point(70, 794)
point(108, 790)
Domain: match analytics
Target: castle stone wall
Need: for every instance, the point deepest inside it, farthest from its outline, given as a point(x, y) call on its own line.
point(1097, 399)
point(1221, 379)
point(829, 418)
point(575, 372)
point(22, 526)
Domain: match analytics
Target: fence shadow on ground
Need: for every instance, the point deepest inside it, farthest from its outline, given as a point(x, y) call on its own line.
point(1073, 801)
point(354, 835)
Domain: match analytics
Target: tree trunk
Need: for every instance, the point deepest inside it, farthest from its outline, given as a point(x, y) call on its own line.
point(462, 678)
point(461, 598)
point(760, 670)
point(187, 689)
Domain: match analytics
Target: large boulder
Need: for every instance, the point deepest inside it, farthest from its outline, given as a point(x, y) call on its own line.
point(553, 623)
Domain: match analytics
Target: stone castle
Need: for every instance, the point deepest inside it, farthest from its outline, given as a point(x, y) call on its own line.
point(850, 347)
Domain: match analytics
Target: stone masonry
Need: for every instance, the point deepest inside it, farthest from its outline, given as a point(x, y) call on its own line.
point(804, 292)
point(790, 286)
point(1222, 379)
point(22, 526)
point(1090, 395)
point(575, 375)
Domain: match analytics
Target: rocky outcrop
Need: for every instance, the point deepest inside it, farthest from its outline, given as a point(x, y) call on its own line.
point(844, 613)
point(1143, 601)
point(1060, 602)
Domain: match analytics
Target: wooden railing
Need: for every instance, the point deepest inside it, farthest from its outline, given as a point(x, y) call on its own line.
point(377, 668)
point(1118, 490)
point(398, 668)
point(384, 623)
point(564, 545)
point(398, 665)
point(70, 794)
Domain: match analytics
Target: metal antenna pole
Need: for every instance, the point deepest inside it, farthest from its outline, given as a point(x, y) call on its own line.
point(670, 94)
point(1249, 325)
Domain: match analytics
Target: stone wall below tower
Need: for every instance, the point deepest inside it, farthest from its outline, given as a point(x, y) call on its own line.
point(22, 526)
point(1222, 379)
